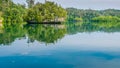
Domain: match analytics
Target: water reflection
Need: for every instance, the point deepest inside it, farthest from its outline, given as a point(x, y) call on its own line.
point(45, 33)
point(80, 27)
point(10, 33)
point(42, 33)
point(90, 45)
point(49, 33)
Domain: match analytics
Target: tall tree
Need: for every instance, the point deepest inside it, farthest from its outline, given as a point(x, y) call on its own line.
point(30, 3)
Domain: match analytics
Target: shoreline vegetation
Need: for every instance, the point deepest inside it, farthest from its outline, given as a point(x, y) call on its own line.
point(37, 12)
point(108, 15)
point(14, 16)
point(52, 13)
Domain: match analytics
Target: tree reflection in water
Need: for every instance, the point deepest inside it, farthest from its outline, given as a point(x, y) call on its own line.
point(42, 33)
point(45, 33)
point(51, 33)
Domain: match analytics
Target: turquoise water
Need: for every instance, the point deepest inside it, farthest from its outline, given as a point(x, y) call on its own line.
point(87, 49)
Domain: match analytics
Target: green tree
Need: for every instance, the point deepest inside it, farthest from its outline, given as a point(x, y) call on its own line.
point(30, 3)
point(45, 12)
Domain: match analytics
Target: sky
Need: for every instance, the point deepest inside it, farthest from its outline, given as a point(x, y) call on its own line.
point(84, 4)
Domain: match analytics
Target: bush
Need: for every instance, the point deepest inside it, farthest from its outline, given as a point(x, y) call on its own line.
point(106, 19)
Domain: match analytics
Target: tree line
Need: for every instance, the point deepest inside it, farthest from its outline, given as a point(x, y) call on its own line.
point(93, 15)
point(13, 13)
point(38, 12)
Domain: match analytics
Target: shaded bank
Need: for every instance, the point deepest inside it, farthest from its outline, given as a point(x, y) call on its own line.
point(34, 22)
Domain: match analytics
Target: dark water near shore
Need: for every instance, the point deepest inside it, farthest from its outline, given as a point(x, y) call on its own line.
point(59, 46)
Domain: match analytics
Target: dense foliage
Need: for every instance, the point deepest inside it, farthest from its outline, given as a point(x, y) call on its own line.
point(88, 15)
point(79, 20)
point(106, 19)
point(48, 11)
point(38, 12)
point(0, 15)
point(12, 13)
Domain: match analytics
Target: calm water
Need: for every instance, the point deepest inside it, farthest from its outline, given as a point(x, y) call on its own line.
point(59, 46)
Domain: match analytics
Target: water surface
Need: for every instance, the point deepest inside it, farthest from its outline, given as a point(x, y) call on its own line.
point(59, 46)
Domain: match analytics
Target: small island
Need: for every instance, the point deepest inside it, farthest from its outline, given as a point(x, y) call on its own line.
point(45, 13)
point(52, 13)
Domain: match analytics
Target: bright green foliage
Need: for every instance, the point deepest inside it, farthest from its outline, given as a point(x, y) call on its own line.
point(88, 15)
point(13, 15)
point(0, 15)
point(106, 19)
point(80, 13)
point(78, 19)
point(30, 3)
point(34, 14)
point(111, 12)
point(5, 4)
point(16, 13)
point(45, 12)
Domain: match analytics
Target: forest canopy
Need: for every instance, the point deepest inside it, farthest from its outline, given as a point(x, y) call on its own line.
point(38, 12)
point(89, 14)
point(48, 11)
point(13, 13)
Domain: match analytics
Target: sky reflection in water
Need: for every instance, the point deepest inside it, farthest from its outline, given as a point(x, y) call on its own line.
point(86, 50)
